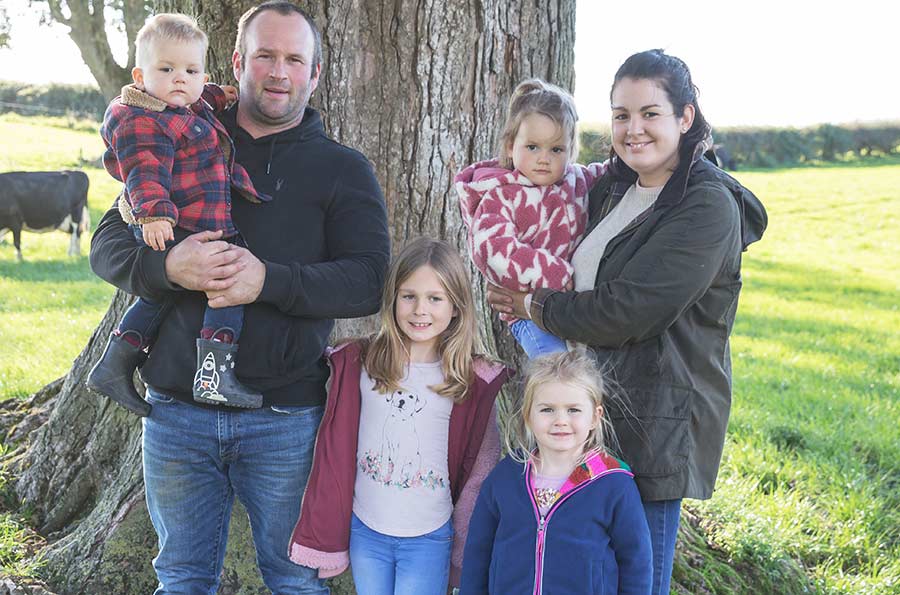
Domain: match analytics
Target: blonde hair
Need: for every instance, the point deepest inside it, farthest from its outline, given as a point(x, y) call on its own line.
point(575, 369)
point(386, 355)
point(534, 96)
point(170, 27)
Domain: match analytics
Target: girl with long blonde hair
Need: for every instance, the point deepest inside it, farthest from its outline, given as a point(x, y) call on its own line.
point(408, 435)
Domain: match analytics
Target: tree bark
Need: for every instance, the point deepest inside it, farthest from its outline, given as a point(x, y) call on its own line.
point(420, 88)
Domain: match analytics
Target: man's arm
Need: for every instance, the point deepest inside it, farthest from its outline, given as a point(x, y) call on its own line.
point(346, 286)
point(117, 258)
point(197, 263)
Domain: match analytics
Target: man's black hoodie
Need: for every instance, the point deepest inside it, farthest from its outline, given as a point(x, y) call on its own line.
point(324, 242)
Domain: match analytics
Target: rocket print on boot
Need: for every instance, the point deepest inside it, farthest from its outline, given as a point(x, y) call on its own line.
point(206, 380)
point(215, 381)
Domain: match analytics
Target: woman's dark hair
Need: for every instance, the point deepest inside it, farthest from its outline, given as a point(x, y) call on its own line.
point(674, 77)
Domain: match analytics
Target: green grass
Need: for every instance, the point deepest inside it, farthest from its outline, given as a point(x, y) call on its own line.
point(811, 470)
point(18, 543)
point(51, 303)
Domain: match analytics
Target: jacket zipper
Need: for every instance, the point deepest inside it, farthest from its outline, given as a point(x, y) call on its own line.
point(539, 558)
point(543, 521)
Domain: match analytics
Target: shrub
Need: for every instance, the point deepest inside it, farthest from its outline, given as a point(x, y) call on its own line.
point(775, 147)
point(52, 99)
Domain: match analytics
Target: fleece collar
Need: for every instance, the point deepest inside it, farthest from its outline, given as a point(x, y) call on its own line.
point(134, 97)
point(596, 465)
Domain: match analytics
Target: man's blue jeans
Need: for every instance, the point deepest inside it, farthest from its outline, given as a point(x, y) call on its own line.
point(535, 341)
point(663, 518)
point(385, 565)
point(197, 460)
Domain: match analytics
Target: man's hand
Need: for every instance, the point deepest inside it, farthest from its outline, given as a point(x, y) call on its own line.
point(156, 233)
point(231, 94)
point(507, 301)
point(201, 263)
point(245, 285)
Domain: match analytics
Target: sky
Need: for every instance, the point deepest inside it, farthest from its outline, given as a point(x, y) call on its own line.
point(766, 62)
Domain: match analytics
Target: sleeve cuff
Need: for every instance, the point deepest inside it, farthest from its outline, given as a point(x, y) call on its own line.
point(528, 298)
point(154, 265)
point(536, 305)
point(277, 283)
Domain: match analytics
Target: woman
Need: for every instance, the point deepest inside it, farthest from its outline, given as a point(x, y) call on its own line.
point(657, 279)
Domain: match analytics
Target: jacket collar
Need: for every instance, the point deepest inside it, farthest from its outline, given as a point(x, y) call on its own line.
point(595, 466)
point(753, 215)
point(134, 97)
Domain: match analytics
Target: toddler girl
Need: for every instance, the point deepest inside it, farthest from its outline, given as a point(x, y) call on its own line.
point(527, 210)
point(408, 435)
point(560, 514)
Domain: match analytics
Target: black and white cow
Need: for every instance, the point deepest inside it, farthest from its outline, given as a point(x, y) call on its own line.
point(43, 201)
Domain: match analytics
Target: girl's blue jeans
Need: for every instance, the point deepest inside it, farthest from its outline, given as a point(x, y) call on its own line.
point(196, 460)
point(663, 518)
point(385, 565)
point(145, 316)
point(535, 341)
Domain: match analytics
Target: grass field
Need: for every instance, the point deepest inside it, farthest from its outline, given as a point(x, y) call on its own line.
point(811, 471)
point(49, 304)
point(812, 465)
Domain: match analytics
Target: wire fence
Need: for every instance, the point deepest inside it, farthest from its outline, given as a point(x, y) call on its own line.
point(43, 110)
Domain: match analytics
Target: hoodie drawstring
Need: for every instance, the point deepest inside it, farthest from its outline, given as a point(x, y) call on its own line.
point(271, 153)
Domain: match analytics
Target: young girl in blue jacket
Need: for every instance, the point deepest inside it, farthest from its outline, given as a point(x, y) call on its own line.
point(560, 514)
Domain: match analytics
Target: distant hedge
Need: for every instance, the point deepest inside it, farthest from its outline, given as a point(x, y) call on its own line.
point(773, 147)
point(776, 147)
point(51, 99)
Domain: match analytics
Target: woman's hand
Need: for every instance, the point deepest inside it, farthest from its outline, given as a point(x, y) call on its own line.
point(507, 301)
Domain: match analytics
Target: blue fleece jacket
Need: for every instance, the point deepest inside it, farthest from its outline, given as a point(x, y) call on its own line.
point(594, 539)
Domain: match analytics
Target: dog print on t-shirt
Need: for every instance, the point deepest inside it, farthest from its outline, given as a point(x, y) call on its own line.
point(399, 461)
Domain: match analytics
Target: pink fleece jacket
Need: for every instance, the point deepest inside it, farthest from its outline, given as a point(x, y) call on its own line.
point(321, 538)
point(522, 236)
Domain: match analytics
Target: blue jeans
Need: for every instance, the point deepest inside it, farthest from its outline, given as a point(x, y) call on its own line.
point(535, 341)
point(663, 518)
point(197, 460)
point(145, 316)
point(385, 565)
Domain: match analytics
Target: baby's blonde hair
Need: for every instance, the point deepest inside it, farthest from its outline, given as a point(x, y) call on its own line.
point(534, 96)
point(576, 369)
point(169, 27)
point(386, 355)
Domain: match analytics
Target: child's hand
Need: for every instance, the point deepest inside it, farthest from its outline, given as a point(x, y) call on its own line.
point(231, 94)
point(156, 233)
point(570, 285)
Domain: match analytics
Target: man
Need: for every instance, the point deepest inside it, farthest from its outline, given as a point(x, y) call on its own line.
point(317, 251)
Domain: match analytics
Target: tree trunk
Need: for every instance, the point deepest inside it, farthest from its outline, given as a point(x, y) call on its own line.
point(420, 88)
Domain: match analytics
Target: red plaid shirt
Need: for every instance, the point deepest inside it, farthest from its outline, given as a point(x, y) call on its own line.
point(177, 163)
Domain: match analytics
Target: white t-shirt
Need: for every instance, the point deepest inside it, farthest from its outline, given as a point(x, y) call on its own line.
point(402, 476)
point(587, 257)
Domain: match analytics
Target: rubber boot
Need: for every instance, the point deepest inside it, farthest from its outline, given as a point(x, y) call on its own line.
point(113, 375)
point(215, 381)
